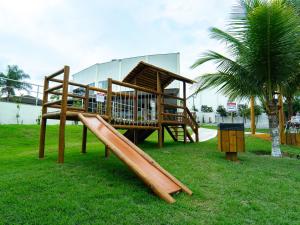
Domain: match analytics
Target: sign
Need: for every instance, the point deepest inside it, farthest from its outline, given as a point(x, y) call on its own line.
point(231, 106)
point(100, 97)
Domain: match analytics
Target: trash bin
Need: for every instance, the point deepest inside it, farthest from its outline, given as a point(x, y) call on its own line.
point(231, 139)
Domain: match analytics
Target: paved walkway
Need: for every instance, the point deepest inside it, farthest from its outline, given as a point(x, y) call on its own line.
point(206, 134)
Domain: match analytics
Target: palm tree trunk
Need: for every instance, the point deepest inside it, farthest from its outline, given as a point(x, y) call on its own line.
point(290, 107)
point(274, 129)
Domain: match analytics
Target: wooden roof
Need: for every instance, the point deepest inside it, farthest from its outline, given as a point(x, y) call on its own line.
point(145, 75)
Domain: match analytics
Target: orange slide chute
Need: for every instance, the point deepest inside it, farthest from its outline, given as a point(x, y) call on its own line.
point(159, 180)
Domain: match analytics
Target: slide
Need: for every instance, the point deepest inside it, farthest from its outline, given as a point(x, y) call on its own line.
point(159, 180)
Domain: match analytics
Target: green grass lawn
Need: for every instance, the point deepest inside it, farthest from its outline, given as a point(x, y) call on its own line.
point(89, 189)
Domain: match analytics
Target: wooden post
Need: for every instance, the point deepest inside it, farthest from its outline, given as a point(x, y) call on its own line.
point(159, 111)
point(84, 130)
point(252, 109)
point(184, 112)
point(232, 156)
point(135, 113)
point(197, 134)
point(63, 115)
point(281, 121)
point(108, 109)
point(108, 99)
point(44, 121)
point(84, 134)
point(107, 152)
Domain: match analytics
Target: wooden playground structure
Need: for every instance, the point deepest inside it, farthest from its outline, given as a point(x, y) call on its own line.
point(126, 106)
point(138, 104)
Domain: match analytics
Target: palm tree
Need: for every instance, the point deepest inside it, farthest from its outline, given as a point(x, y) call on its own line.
point(263, 41)
point(11, 81)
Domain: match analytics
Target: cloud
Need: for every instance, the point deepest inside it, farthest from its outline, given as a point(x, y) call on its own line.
point(41, 36)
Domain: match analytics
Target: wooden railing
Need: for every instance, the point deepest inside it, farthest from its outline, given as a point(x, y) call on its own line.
point(61, 93)
point(122, 104)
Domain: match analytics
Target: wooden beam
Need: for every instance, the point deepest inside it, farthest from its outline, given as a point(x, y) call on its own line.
point(172, 96)
point(135, 112)
point(134, 86)
point(86, 108)
point(108, 99)
point(68, 108)
point(107, 152)
point(84, 137)
point(171, 134)
point(48, 104)
point(171, 122)
point(54, 88)
point(70, 95)
point(173, 106)
point(70, 82)
point(135, 127)
point(159, 111)
point(44, 121)
point(63, 115)
point(55, 74)
point(97, 89)
point(184, 112)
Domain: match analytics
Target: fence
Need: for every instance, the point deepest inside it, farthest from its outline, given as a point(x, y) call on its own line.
point(12, 91)
point(261, 121)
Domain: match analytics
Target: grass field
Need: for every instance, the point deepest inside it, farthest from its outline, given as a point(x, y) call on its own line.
point(89, 189)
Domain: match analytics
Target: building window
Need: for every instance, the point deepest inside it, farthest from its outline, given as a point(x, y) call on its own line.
point(102, 84)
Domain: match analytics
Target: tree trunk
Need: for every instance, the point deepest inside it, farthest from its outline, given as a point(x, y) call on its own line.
point(274, 130)
point(290, 107)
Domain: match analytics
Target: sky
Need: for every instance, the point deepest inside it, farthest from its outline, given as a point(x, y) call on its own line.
point(41, 36)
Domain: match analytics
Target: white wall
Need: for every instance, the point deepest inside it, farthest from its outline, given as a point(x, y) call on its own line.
point(117, 69)
point(209, 97)
point(262, 120)
point(28, 114)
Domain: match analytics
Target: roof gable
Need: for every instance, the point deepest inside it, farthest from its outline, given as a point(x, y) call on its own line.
point(145, 74)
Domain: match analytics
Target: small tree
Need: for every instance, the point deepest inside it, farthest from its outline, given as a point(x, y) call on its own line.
point(194, 108)
point(206, 109)
point(222, 112)
point(242, 111)
point(11, 81)
point(258, 110)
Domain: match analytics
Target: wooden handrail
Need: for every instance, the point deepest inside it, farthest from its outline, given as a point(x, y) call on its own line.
point(70, 82)
point(172, 96)
point(97, 89)
point(172, 114)
point(113, 92)
point(69, 94)
point(54, 88)
point(86, 98)
point(55, 74)
point(52, 103)
point(171, 122)
point(68, 107)
point(191, 116)
point(173, 106)
point(133, 86)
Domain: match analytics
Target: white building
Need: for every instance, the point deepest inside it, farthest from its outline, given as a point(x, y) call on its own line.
point(97, 74)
